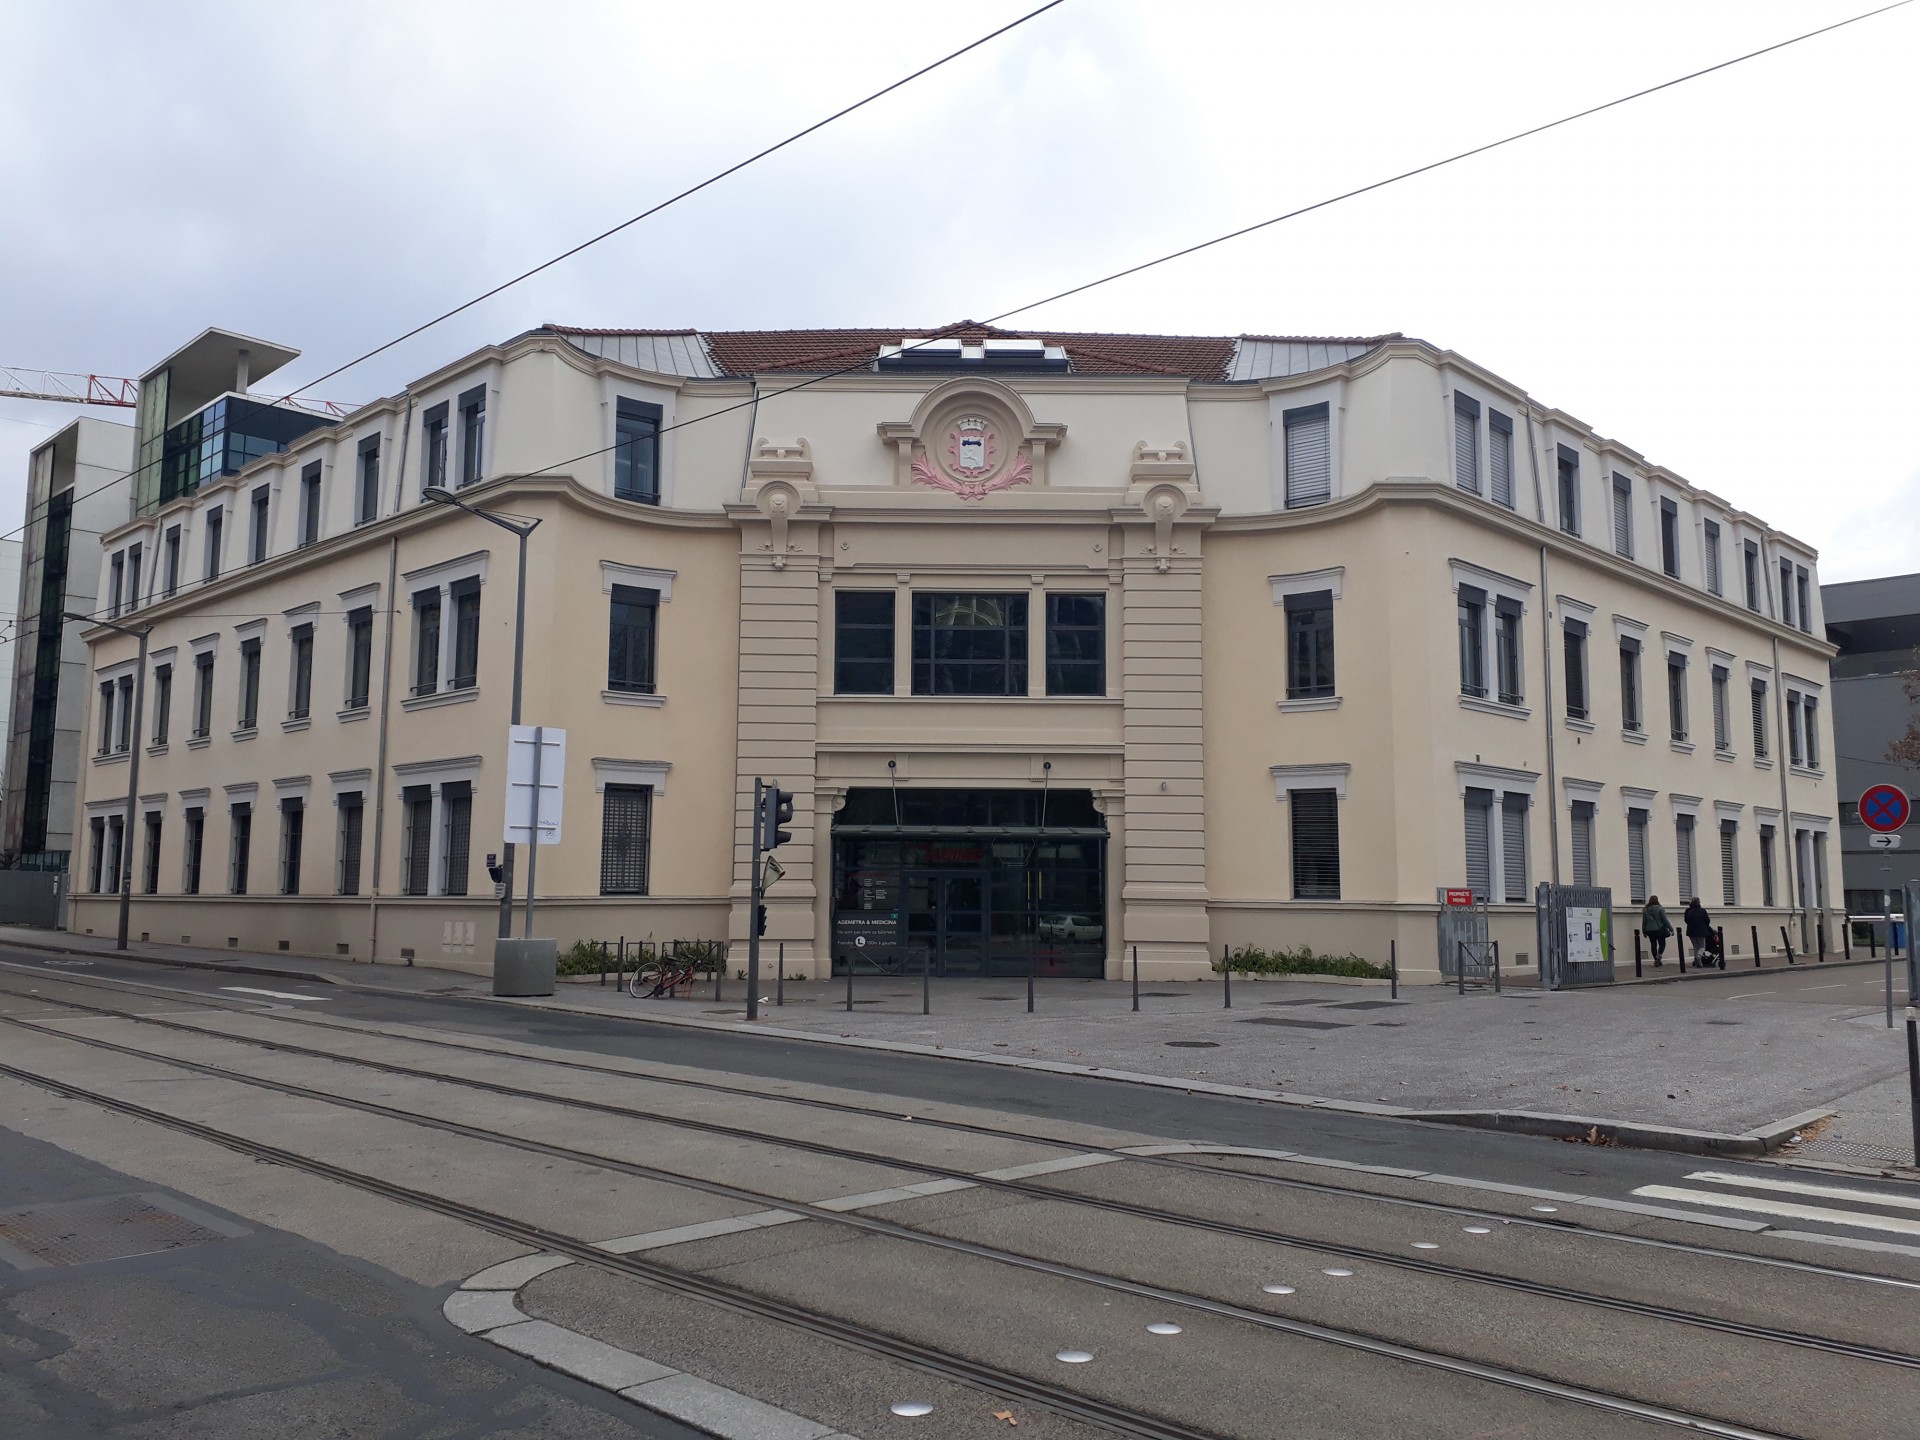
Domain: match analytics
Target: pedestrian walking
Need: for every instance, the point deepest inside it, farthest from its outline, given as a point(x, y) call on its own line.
point(1655, 925)
point(1700, 934)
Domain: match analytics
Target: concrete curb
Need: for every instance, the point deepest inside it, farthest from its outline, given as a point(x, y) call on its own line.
point(1637, 1134)
point(272, 972)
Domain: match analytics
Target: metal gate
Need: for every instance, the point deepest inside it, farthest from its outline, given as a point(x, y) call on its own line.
point(33, 897)
point(1575, 926)
point(1464, 925)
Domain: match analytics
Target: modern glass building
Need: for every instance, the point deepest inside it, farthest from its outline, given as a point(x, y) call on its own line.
point(224, 438)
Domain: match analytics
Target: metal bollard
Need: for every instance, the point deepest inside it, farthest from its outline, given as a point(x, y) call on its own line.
point(1846, 937)
point(1680, 951)
point(1873, 942)
point(1787, 941)
point(780, 976)
point(1820, 929)
point(1720, 944)
point(1460, 966)
point(1754, 931)
point(1032, 962)
point(849, 984)
point(719, 973)
point(1393, 969)
point(926, 980)
point(1226, 975)
point(620, 966)
point(1136, 979)
point(1496, 967)
point(1637, 971)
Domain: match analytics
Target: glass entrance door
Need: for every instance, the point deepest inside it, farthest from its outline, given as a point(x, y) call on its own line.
point(947, 916)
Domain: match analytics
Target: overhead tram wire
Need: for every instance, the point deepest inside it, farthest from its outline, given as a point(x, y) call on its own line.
point(1185, 250)
point(652, 210)
point(1222, 239)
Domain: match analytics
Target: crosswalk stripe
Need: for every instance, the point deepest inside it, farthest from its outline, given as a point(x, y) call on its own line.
point(1761, 1206)
point(1801, 1187)
point(276, 994)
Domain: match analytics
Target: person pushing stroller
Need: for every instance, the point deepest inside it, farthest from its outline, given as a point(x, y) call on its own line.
point(1700, 935)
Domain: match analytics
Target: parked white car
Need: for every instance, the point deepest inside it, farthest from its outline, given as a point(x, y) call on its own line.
point(1071, 927)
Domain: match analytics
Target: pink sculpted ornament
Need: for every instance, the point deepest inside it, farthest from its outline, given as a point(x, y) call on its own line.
point(972, 448)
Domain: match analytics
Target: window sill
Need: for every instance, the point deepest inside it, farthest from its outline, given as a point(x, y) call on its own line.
point(199, 742)
point(441, 697)
point(1760, 762)
point(352, 712)
point(972, 699)
point(1634, 737)
point(1726, 755)
point(159, 747)
point(1585, 727)
point(1308, 704)
point(300, 722)
point(645, 699)
point(246, 732)
point(1494, 707)
point(115, 757)
point(1807, 772)
point(1681, 747)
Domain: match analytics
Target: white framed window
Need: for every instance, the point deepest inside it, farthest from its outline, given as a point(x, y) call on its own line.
point(1489, 621)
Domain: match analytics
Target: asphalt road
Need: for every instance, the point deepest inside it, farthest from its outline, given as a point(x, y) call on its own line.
point(819, 1221)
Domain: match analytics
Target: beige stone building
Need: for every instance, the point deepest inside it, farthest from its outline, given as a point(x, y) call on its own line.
point(1066, 643)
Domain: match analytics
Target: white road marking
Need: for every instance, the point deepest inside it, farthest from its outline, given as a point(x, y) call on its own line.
point(1835, 986)
point(276, 994)
point(1047, 1167)
point(1855, 1218)
point(1802, 1187)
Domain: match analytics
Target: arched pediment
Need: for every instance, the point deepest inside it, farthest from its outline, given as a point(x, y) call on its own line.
point(971, 436)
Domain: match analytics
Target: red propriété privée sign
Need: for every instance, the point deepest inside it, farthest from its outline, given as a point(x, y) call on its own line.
point(1459, 897)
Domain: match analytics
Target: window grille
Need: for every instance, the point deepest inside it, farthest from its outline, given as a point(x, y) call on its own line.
point(626, 835)
point(1315, 824)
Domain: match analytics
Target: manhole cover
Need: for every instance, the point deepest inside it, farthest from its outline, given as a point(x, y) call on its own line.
point(1008, 998)
point(1390, 1024)
point(1161, 995)
point(110, 1227)
point(1194, 1044)
point(1292, 1023)
point(1726, 1022)
point(1367, 1004)
point(1296, 1002)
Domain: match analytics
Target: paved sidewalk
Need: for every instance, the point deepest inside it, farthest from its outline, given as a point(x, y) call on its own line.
point(1723, 1053)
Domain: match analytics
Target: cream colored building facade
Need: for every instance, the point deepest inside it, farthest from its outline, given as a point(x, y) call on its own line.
point(1066, 644)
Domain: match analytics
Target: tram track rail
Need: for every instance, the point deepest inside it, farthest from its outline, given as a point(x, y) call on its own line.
point(1533, 1288)
point(1182, 1164)
point(1070, 1403)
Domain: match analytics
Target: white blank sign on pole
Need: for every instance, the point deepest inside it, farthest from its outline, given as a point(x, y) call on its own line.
point(520, 790)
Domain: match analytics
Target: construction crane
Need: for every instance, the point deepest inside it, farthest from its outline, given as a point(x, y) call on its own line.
point(19, 383)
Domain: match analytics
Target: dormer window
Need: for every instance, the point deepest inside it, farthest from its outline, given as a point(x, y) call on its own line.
point(954, 354)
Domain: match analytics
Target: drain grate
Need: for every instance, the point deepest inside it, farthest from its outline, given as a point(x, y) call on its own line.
point(110, 1227)
point(1296, 1002)
point(1292, 1023)
point(1367, 1004)
point(1163, 995)
point(1849, 1150)
point(1193, 1044)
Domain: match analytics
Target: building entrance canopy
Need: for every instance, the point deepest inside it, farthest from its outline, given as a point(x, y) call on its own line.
point(970, 882)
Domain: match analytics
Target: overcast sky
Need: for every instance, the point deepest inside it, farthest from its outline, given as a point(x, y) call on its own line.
point(1721, 276)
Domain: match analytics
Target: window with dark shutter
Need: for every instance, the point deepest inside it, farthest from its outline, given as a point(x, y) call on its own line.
point(359, 656)
point(433, 447)
point(257, 536)
point(1710, 532)
point(1759, 719)
point(626, 833)
point(1310, 645)
point(1471, 607)
point(473, 431)
point(1582, 832)
point(1513, 846)
point(215, 522)
point(1466, 443)
point(302, 697)
point(123, 718)
point(456, 816)
point(416, 841)
point(150, 866)
point(196, 838)
point(1315, 823)
point(367, 499)
point(293, 832)
point(1722, 724)
point(636, 452)
point(1750, 560)
point(1637, 856)
point(1077, 645)
point(1766, 865)
point(1500, 457)
point(1810, 722)
point(249, 684)
point(353, 815)
point(1622, 514)
point(1569, 476)
point(162, 702)
point(1683, 828)
point(1479, 831)
point(1729, 862)
point(240, 856)
point(309, 505)
point(1506, 650)
point(426, 641)
point(97, 854)
point(1786, 592)
point(1794, 752)
point(1629, 683)
point(1309, 455)
point(465, 597)
point(1575, 649)
point(863, 642)
point(1677, 722)
point(632, 619)
point(1670, 538)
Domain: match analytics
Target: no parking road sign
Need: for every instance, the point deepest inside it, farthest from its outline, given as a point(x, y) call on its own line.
point(1885, 808)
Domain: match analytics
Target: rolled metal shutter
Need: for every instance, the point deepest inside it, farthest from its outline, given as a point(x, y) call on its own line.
point(1500, 457)
point(1583, 842)
point(1637, 856)
point(1622, 515)
point(1479, 813)
point(1729, 862)
point(1513, 846)
point(1683, 855)
point(1316, 844)
point(1309, 456)
point(1759, 719)
point(1466, 444)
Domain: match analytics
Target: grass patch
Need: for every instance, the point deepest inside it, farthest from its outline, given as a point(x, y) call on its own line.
point(1249, 960)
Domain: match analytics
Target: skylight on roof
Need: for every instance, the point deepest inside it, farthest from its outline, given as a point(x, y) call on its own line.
point(949, 353)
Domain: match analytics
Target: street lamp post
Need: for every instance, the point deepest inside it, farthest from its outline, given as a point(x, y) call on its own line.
point(440, 495)
point(125, 877)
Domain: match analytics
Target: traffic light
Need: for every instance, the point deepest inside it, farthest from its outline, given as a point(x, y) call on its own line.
point(776, 809)
point(759, 919)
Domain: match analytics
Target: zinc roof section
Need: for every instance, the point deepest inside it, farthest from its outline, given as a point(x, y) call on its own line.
point(665, 352)
point(1268, 357)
